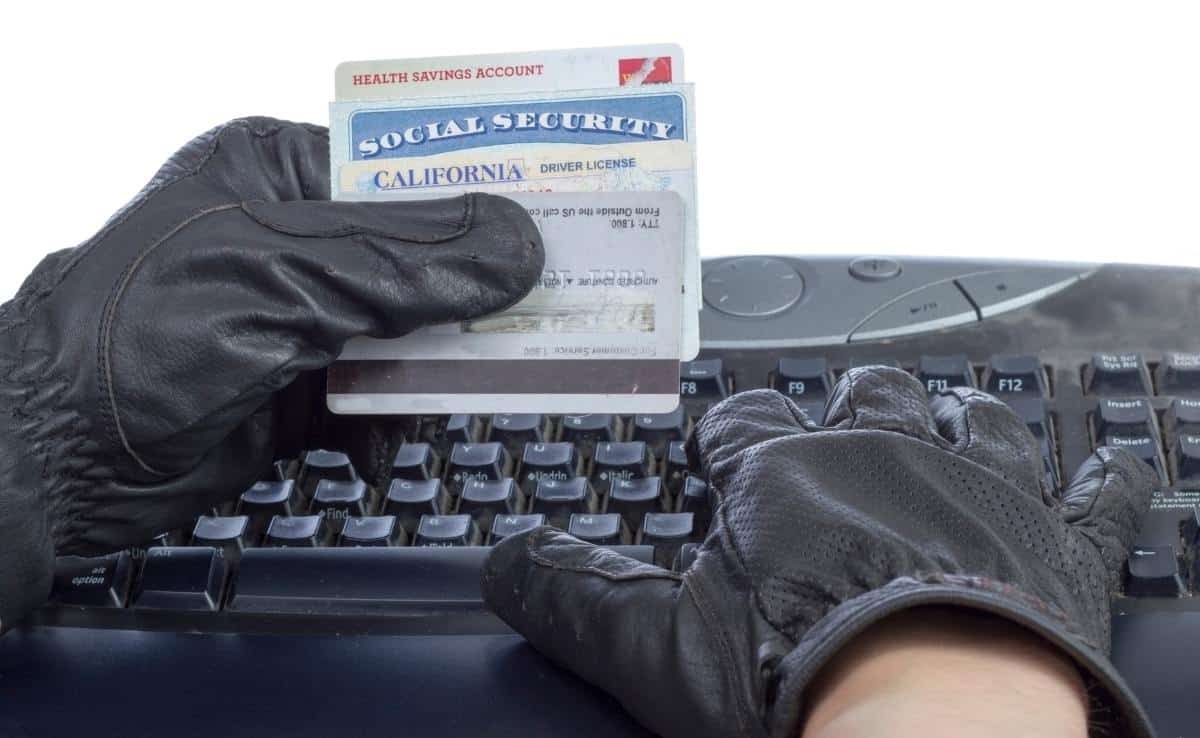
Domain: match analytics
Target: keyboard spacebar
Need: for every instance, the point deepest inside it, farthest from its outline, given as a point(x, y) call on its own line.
point(366, 581)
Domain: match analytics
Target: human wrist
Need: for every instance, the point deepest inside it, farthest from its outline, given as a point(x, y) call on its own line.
point(934, 671)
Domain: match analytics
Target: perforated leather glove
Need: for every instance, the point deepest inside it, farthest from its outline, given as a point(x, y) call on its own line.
point(818, 533)
point(140, 373)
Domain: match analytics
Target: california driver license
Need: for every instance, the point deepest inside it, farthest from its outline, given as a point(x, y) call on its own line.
point(600, 333)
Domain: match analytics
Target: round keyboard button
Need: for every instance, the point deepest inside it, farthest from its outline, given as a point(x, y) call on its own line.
point(874, 268)
point(753, 286)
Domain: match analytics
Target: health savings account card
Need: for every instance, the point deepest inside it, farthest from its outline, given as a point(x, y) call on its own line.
point(598, 334)
point(615, 139)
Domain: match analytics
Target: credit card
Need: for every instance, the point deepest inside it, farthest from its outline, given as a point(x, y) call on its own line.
point(599, 333)
point(609, 140)
point(481, 74)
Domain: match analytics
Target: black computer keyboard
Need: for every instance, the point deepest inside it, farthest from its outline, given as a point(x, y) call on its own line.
point(320, 576)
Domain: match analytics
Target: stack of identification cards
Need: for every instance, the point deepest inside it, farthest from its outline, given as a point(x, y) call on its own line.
point(605, 119)
point(599, 332)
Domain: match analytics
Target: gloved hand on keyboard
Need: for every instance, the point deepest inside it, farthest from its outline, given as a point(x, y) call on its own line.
point(898, 501)
point(140, 373)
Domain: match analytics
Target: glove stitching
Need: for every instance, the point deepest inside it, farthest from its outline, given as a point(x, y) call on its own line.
point(694, 589)
point(104, 371)
point(465, 223)
point(642, 572)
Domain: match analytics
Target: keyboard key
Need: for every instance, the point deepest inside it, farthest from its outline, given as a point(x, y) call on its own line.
point(667, 532)
point(265, 500)
point(694, 499)
point(939, 373)
point(282, 469)
point(443, 431)
point(304, 531)
point(1124, 417)
point(1153, 572)
point(482, 461)
point(806, 381)
point(633, 498)
point(1183, 416)
point(92, 582)
point(504, 526)
point(365, 581)
point(485, 499)
point(321, 464)
point(628, 460)
point(659, 429)
point(860, 361)
point(336, 501)
point(416, 461)
point(558, 500)
point(1179, 373)
point(1185, 458)
point(603, 530)
point(702, 383)
point(376, 530)
point(547, 461)
point(585, 431)
point(687, 556)
point(1116, 374)
point(1143, 447)
point(190, 578)
point(516, 430)
point(675, 469)
point(409, 499)
point(1015, 375)
point(230, 534)
point(447, 530)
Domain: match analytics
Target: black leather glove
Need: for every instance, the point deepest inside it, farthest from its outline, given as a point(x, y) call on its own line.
point(139, 372)
point(818, 533)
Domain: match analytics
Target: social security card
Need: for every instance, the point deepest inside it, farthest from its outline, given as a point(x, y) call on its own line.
point(608, 140)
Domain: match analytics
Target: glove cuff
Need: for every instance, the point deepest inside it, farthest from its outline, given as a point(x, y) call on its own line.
point(1108, 693)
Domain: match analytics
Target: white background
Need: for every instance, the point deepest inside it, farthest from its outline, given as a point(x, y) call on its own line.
point(1047, 129)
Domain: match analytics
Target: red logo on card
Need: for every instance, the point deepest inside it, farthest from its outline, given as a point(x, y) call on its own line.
point(654, 70)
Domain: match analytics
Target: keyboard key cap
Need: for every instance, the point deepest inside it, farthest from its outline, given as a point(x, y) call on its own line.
point(485, 499)
point(92, 582)
point(548, 461)
point(191, 578)
point(694, 499)
point(1179, 373)
point(441, 432)
point(1116, 374)
point(675, 467)
point(516, 430)
point(603, 530)
point(365, 581)
point(230, 534)
point(321, 464)
point(859, 361)
point(702, 383)
point(504, 526)
point(1143, 447)
point(1185, 458)
point(1153, 572)
point(447, 530)
point(470, 461)
point(687, 556)
point(667, 532)
point(377, 530)
point(265, 500)
point(585, 431)
point(633, 498)
point(336, 501)
point(409, 499)
point(629, 460)
point(416, 461)
point(939, 373)
point(806, 381)
point(1125, 417)
point(304, 531)
point(558, 500)
point(1183, 416)
point(1015, 375)
point(659, 429)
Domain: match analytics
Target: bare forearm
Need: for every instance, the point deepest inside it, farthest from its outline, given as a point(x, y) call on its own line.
point(948, 673)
